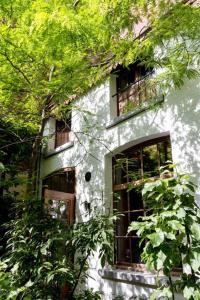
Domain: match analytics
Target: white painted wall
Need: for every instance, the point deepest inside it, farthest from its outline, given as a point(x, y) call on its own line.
point(94, 145)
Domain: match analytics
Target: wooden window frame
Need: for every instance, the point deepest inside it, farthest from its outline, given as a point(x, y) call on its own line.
point(136, 92)
point(65, 194)
point(62, 132)
point(124, 187)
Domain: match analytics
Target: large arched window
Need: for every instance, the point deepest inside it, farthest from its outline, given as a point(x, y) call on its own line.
point(130, 168)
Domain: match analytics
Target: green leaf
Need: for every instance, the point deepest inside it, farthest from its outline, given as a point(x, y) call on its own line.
point(176, 225)
point(134, 226)
point(195, 229)
point(188, 292)
point(195, 260)
point(156, 238)
point(181, 213)
point(161, 257)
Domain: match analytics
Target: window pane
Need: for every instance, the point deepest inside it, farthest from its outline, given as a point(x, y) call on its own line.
point(63, 129)
point(150, 161)
point(165, 152)
point(120, 171)
point(135, 200)
point(136, 250)
point(122, 225)
point(135, 215)
point(134, 166)
point(58, 209)
point(121, 201)
point(123, 253)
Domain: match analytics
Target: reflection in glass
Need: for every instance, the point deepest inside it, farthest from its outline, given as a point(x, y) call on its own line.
point(150, 161)
point(58, 209)
point(165, 152)
point(120, 172)
point(122, 225)
point(136, 250)
point(123, 250)
point(121, 201)
point(135, 199)
point(134, 166)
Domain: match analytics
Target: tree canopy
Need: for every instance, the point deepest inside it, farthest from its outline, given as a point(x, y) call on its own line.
point(55, 50)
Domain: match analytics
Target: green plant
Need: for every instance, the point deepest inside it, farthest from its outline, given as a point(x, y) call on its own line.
point(40, 254)
point(172, 234)
point(89, 295)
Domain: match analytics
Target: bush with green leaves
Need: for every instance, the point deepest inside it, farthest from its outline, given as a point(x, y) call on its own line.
point(171, 234)
point(40, 254)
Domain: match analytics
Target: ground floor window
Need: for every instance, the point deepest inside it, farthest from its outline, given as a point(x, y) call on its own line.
point(59, 195)
point(130, 168)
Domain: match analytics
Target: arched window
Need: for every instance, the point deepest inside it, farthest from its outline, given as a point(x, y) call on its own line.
point(130, 168)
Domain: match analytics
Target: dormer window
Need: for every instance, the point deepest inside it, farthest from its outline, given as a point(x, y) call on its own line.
point(62, 134)
point(132, 87)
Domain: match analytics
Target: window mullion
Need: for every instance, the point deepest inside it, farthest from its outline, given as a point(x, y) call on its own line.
point(141, 163)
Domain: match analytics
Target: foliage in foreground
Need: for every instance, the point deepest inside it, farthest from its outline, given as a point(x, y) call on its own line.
point(51, 50)
point(40, 253)
point(172, 234)
point(15, 148)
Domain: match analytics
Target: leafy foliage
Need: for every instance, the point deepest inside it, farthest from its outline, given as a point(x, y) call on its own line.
point(40, 254)
point(171, 233)
point(15, 147)
point(52, 50)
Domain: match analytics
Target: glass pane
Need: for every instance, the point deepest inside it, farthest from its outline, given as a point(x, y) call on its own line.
point(136, 250)
point(121, 201)
point(150, 161)
point(134, 166)
point(123, 253)
point(120, 171)
point(134, 216)
point(58, 209)
point(135, 200)
point(122, 225)
point(165, 152)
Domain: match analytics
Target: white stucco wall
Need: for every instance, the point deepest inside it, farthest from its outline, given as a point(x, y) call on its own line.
point(94, 143)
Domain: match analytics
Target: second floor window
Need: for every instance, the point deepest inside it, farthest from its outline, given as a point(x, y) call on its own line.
point(62, 134)
point(133, 88)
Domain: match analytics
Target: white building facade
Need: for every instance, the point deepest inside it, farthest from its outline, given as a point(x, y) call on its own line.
point(103, 131)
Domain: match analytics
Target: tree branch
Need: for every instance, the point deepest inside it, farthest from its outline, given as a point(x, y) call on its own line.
point(16, 67)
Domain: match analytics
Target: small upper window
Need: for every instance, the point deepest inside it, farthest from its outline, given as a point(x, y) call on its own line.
point(133, 88)
point(62, 134)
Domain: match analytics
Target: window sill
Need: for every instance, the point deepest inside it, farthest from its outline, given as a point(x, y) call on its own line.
point(131, 277)
point(142, 278)
point(147, 106)
point(59, 149)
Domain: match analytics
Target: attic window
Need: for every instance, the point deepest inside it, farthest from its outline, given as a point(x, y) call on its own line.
point(63, 129)
point(133, 88)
